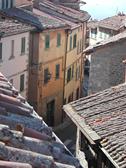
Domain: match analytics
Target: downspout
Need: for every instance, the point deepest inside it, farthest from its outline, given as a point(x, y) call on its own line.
point(82, 60)
point(65, 59)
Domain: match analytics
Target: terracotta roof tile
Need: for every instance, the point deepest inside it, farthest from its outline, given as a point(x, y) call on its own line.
point(12, 26)
point(25, 140)
point(41, 22)
point(60, 11)
point(104, 114)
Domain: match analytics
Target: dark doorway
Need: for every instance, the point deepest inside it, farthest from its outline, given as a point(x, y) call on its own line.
point(50, 113)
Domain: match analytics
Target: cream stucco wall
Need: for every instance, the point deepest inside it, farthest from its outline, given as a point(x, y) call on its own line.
point(73, 60)
point(12, 68)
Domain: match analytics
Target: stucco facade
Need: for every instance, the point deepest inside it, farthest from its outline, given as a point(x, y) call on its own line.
point(74, 61)
point(107, 68)
point(51, 91)
point(13, 66)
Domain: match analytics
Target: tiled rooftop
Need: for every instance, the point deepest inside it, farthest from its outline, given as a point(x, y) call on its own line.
point(113, 23)
point(63, 12)
point(12, 26)
point(103, 117)
point(40, 21)
point(25, 140)
point(110, 40)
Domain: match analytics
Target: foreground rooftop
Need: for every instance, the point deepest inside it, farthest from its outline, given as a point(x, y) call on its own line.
point(102, 119)
point(25, 140)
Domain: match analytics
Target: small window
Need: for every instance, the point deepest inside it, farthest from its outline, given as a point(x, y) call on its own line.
point(70, 42)
point(47, 41)
point(21, 82)
point(6, 3)
point(58, 39)
point(75, 41)
point(57, 71)
point(1, 51)
point(68, 74)
point(72, 75)
point(23, 41)
point(12, 49)
point(46, 75)
point(3, 4)
point(11, 3)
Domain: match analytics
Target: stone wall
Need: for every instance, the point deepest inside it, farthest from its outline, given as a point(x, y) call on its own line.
point(107, 68)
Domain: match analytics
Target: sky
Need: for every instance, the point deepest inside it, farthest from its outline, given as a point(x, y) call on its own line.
point(99, 9)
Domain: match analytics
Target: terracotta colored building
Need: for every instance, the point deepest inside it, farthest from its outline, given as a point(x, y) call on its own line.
point(75, 43)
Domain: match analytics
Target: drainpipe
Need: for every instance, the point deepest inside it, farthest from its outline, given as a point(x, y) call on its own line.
point(65, 59)
point(82, 63)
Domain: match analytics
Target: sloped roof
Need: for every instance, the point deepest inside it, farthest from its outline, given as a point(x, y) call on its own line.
point(25, 140)
point(63, 12)
point(108, 41)
point(41, 22)
point(113, 22)
point(102, 117)
point(12, 26)
point(92, 24)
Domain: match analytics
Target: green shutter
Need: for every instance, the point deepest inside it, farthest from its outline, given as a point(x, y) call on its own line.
point(0, 51)
point(23, 45)
point(75, 41)
point(57, 71)
point(47, 41)
point(70, 42)
point(58, 39)
point(21, 82)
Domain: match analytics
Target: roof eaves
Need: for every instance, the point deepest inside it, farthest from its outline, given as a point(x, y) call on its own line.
point(91, 135)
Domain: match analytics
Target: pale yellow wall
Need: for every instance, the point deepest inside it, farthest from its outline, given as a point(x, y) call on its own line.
point(49, 58)
point(73, 59)
point(53, 52)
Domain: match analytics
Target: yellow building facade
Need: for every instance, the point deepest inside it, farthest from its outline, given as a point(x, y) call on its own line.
point(74, 64)
point(47, 72)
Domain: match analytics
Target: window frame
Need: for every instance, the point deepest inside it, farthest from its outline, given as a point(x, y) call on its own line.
point(23, 45)
point(1, 50)
point(22, 82)
point(58, 39)
point(57, 71)
point(47, 41)
point(74, 41)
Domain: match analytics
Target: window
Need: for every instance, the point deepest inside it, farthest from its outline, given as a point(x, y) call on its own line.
point(58, 39)
point(0, 51)
point(21, 82)
point(68, 74)
point(12, 49)
point(94, 33)
point(47, 41)
point(72, 75)
point(3, 4)
point(75, 41)
point(70, 42)
point(46, 75)
point(11, 3)
point(6, 3)
point(23, 45)
point(57, 71)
